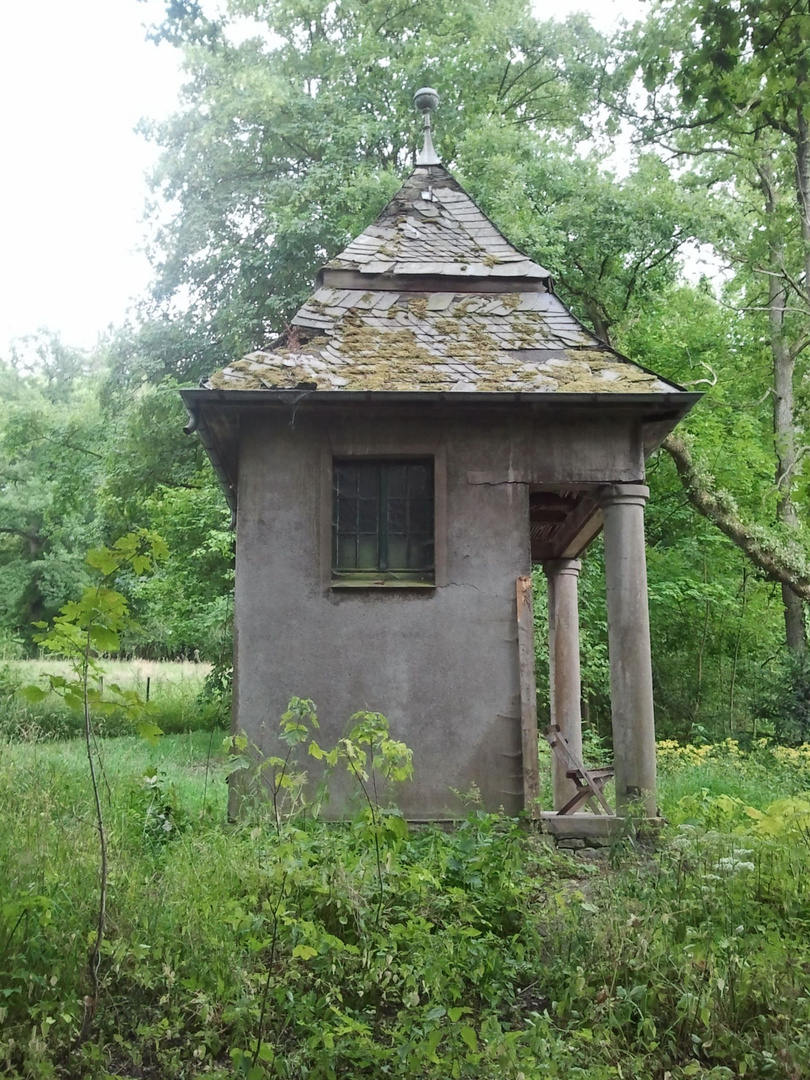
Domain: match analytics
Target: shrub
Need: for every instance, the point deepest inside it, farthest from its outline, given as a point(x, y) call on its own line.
point(268, 948)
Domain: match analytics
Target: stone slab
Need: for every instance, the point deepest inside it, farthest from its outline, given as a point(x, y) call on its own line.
point(596, 826)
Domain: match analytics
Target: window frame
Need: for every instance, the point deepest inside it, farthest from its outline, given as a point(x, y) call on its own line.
point(380, 471)
point(424, 583)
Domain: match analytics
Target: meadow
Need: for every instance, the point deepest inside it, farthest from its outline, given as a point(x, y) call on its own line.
point(176, 692)
point(285, 947)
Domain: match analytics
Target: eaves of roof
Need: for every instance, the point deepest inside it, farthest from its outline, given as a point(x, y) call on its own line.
point(214, 414)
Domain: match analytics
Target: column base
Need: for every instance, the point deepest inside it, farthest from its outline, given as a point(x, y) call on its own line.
point(599, 829)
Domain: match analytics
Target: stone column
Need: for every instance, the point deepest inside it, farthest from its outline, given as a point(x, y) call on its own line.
point(563, 655)
point(628, 617)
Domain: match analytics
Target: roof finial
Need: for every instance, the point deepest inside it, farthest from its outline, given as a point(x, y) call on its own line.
point(427, 100)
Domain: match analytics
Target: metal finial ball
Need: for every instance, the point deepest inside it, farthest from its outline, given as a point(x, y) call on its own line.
point(425, 99)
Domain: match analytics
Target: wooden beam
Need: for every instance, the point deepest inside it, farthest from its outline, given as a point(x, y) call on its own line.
point(427, 283)
point(528, 697)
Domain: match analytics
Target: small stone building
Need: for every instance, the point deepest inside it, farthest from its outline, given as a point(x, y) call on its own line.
point(435, 422)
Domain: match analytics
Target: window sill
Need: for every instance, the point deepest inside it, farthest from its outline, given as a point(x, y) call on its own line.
point(380, 583)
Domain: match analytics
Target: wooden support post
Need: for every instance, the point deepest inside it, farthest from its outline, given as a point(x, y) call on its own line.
point(528, 697)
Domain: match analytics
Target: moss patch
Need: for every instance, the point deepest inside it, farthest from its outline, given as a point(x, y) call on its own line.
point(418, 306)
point(435, 355)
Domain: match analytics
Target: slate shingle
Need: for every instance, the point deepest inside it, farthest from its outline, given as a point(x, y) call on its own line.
point(434, 235)
point(512, 334)
point(484, 342)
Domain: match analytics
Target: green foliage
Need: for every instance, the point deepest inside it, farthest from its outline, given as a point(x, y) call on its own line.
point(716, 625)
point(283, 776)
point(726, 90)
point(609, 243)
point(79, 634)
point(158, 479)
point(784, 700)
point(296, 126)
point(155, 808)
point(178, 701)
point(493, 955)
point(50, 454)
point(86, 629)
point(82, 461)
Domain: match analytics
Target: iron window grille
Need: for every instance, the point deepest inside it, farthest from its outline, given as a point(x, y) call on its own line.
point(383, 520)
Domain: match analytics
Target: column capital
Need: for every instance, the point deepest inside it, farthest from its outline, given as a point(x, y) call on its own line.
point(623, 495)
point(557, 567)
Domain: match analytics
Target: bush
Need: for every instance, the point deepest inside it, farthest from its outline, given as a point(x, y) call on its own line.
point(784, 702)
point(285, 947)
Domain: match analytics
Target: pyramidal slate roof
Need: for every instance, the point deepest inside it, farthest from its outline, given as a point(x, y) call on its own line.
point(433, 298)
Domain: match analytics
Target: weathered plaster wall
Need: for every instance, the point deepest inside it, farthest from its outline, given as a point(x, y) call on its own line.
point(440, 664)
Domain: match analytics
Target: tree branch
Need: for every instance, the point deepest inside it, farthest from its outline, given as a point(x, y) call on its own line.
point(33, 538)
point(775, 565)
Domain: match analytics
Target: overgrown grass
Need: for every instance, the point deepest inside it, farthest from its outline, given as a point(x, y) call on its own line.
point(176, 701)
point(757, 777)
point(255, 950)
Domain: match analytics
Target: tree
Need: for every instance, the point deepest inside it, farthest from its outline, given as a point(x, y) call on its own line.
point(81, 633)
point(158, 479)
point(83, 461)
point(715, 619)
point(291, 140)
point(609, 243)
point(51, 454)
point(728, 87)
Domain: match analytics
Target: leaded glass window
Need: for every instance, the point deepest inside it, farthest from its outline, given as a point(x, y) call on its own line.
point(382, 519)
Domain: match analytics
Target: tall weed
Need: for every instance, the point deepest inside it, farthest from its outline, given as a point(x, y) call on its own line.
point(268, 948)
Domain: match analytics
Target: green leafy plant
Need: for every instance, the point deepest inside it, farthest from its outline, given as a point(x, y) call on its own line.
point(376, 761)
point(155, 808)
point(282, 778)
point(82, 632)
point(494, 956)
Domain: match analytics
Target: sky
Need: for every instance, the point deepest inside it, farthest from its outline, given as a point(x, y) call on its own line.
point(76, 76)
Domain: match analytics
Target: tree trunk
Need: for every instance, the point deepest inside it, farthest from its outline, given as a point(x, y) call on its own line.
point(601, 326)
point(784, 430)
point(794, 607)
point(785, 443)
point(795, 631)
point(803, 192)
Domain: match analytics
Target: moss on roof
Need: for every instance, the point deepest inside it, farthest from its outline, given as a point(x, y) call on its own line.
point(446, 338)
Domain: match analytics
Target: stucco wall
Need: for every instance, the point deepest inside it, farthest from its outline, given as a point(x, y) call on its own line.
point(440, 664)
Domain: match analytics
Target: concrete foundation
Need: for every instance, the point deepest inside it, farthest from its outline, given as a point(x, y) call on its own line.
point(598, 829)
